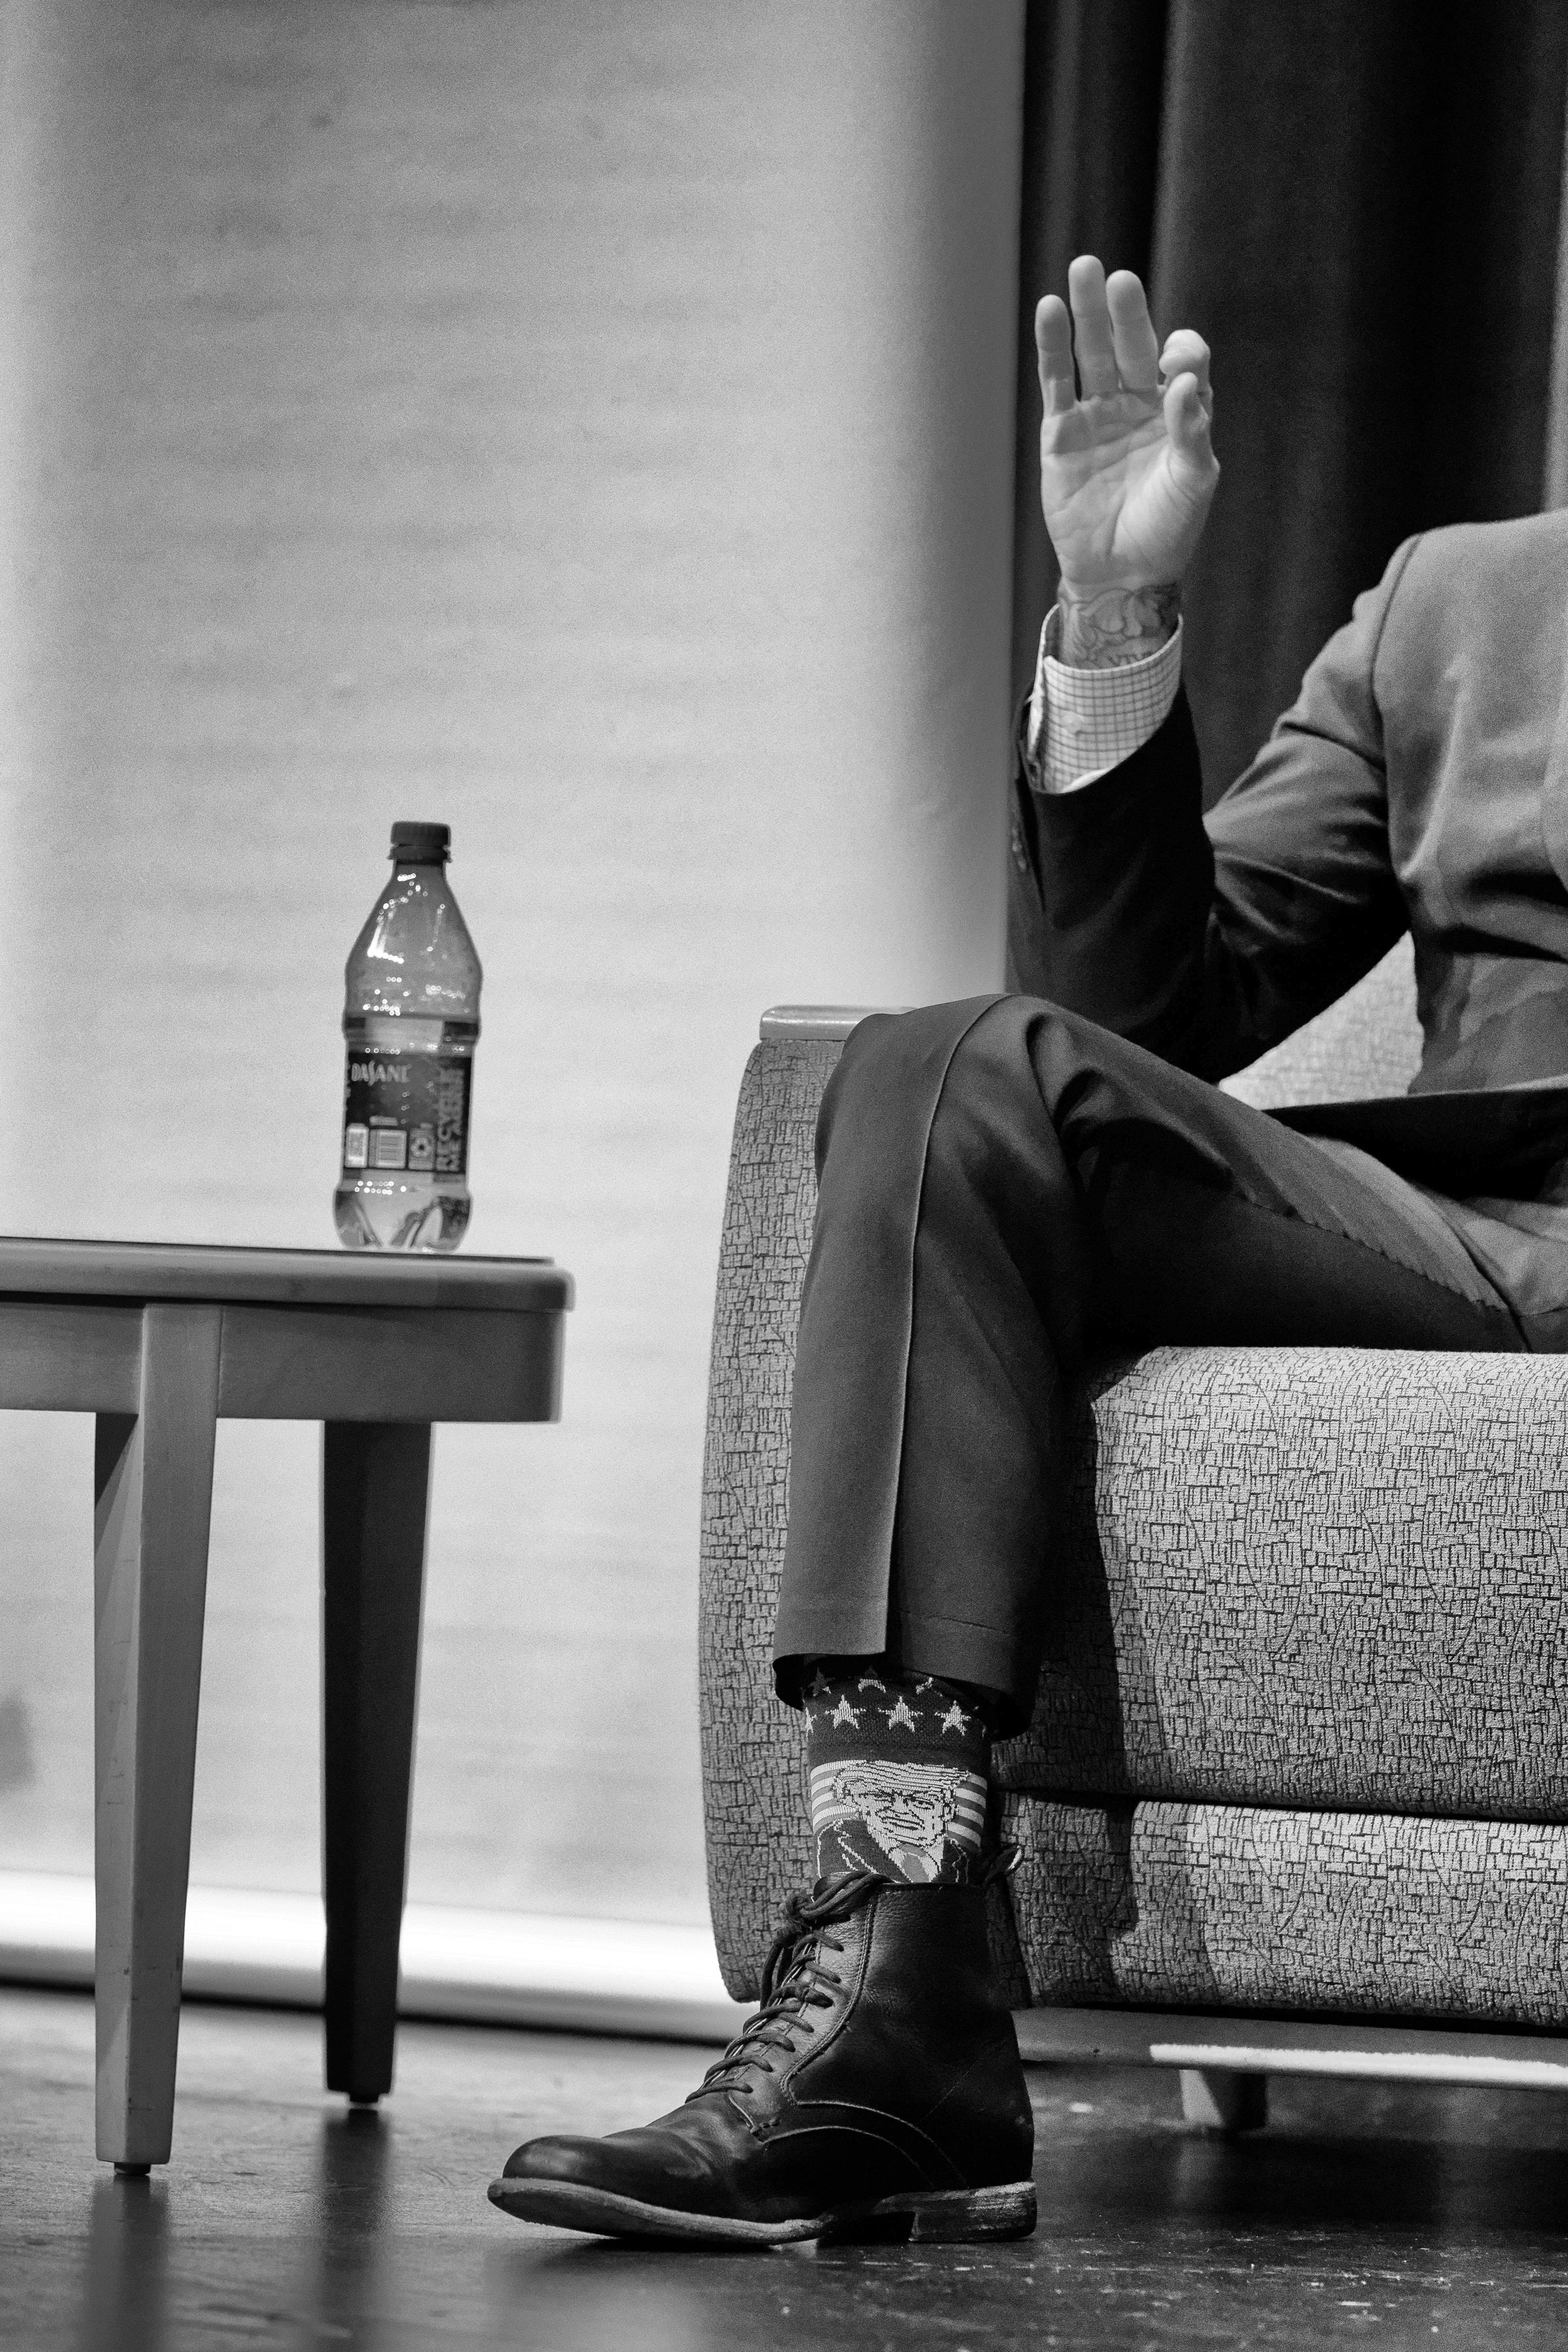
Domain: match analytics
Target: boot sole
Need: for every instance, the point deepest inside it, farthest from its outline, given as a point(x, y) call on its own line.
point(936, 2217)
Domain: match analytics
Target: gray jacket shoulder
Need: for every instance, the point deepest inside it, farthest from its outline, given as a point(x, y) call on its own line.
point(1492, 595)
point(1462, 563)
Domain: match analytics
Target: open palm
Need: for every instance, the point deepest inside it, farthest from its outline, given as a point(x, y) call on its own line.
point(1127, 469)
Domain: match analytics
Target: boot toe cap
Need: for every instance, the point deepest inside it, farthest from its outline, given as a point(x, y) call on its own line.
point(652, 2165)
point(558, 2159)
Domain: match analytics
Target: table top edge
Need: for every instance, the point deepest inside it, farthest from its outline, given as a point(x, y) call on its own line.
point(36, 1266)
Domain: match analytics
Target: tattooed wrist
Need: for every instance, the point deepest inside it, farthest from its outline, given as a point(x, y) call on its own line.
point(1113, 625)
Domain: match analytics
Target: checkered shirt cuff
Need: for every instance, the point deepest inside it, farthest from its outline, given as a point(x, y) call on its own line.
point(1084, 721)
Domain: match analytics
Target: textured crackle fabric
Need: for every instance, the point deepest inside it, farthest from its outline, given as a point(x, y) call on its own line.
point(1240, 1907)
point(758, 1821)
point(1367, 1043)
point(1282, 1591)
point(1335, 1577)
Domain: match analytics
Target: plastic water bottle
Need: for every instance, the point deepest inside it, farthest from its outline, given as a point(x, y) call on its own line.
point(410, 1016)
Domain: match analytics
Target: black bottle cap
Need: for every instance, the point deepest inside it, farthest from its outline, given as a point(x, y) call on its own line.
point(420, 844)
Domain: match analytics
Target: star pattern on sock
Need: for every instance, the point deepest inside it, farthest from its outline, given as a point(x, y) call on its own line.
point(890, 1789)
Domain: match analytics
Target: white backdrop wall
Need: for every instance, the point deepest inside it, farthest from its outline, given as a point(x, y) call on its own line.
point(588, 424)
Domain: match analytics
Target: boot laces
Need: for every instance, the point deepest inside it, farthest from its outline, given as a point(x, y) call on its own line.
point(795, 1978)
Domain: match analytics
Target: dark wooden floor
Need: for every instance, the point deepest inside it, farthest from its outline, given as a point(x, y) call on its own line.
point(1410, 2217)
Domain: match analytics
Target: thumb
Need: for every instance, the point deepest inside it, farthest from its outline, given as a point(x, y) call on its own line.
point(1187, 427)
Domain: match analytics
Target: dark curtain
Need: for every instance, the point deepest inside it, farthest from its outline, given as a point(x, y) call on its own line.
point(1356, 203)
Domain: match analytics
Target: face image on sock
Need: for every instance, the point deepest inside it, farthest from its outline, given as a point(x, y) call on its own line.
point(869, 1813)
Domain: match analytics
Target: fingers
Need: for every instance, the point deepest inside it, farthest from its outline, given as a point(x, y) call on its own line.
point(1091, 327)
point(1186, 354)
point(1053, 347)
point(1187, 428)
point(1112, 338)
point(1133, 334)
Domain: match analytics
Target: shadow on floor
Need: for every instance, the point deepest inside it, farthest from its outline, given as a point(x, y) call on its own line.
point(1296, 2175)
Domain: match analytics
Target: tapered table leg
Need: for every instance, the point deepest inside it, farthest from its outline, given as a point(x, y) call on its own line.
point(375, 1483)
point(153, 1479)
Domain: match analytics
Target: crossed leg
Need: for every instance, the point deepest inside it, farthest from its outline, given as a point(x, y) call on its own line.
point(1003, 1187)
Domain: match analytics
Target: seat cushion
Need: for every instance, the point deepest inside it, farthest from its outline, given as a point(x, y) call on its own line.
point(1222, 1907)
point(1334, 1578)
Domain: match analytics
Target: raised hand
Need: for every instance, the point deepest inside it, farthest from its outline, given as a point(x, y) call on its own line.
point(1127, 470)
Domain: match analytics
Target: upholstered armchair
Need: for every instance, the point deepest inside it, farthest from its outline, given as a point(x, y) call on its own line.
point(1296, 1793)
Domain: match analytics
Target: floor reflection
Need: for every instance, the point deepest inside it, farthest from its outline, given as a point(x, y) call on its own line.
point(1365, 2185)
point(595, 2297)
point(345, 2290)
point(126, 2269)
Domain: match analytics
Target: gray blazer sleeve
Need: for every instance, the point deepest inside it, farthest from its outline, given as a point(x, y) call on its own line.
point(1209, 941)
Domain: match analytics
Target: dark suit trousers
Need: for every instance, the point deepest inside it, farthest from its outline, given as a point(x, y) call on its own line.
point(1004, 1188)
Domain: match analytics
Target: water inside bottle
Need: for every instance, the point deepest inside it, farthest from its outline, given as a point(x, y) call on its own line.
point(410, 1024)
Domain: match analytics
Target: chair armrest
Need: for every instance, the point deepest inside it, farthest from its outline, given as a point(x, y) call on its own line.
point(833, 1021)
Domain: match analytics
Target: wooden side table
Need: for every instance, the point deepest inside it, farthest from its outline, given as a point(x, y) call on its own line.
point(162, 1341)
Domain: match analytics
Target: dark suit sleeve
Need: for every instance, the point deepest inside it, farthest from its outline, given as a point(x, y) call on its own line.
point(1208, 943)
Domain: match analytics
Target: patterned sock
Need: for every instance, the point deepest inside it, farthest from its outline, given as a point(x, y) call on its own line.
point(897, 1772)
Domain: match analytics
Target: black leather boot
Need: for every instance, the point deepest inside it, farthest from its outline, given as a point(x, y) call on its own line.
point(877, 2094)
